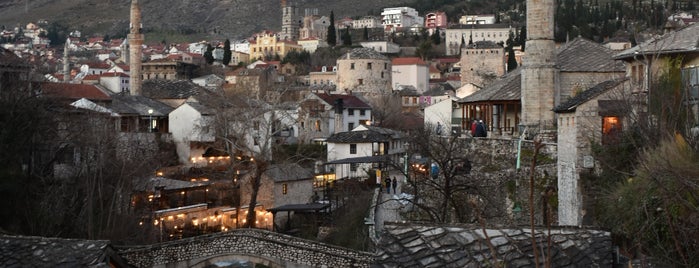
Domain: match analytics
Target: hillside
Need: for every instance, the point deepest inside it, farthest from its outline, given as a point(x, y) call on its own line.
point(203, 18)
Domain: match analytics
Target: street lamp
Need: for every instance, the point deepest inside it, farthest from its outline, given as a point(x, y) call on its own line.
point(150, 120)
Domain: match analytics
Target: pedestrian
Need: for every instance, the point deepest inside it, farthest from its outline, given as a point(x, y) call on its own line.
point(395, 184)
point(388, 185)
point(473, 127)
point(480, 129)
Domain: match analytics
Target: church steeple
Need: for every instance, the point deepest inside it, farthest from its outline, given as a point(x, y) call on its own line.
point(135, 43)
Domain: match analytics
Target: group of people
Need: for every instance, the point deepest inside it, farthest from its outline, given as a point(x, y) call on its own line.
point(479, 129)
point(390, 183)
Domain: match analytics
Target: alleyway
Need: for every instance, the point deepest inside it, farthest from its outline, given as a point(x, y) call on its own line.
point(388, 208)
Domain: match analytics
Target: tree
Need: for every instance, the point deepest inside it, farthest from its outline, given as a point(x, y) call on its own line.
point(346, 38)
point(424, 51)
point(226, 52)
point(436, 37)
point(511, 60)
point(332, 34)
point(208, 55)
point(365, 35)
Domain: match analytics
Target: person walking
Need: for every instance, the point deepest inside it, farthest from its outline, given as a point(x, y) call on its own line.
point(395, 184)
point(388, 185)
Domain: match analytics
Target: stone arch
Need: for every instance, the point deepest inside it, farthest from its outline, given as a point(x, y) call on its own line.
point(204, 262)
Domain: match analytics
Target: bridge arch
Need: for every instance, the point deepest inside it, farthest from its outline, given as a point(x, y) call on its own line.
point(255, 245)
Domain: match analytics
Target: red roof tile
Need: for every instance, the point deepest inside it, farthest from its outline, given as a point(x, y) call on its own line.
point(408, 61)
point(73, 91)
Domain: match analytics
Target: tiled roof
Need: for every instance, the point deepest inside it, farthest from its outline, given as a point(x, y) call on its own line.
point(289, 172)
point(348, 101)
point(507, 88)
point(114, 75)
point(31, 251)
point(73, 91)
point(363, 136)
point(681, 41)
point(363, 53)
point(168, 89)
point(573, 103)
point(582, 55)
point(408, 61)
point(8, 58)
point(168, 184)
point(412, 245)
point(98, 65)
point(138, 105)
point(201, 108)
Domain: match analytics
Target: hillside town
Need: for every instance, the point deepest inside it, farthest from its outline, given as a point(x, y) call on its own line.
point(403, 139)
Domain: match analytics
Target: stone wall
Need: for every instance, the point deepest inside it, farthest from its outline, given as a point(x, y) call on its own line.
point(269, 248)
point(571, 83)
point(375, 79)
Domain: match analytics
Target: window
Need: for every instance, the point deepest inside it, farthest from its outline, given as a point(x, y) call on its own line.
point(317, 125)
point(285, 188)
point(360, 81)
point(350, 126)
point(352, 66)
point(353, 166)
point(368, 66)
point(362, 112)
point(350, 111)
point(611, 128)
point(385, 66)
point(353, 149)
point(381, 74)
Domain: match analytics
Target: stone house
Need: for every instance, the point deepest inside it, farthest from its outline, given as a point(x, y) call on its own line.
point(281, 184)
point(365, 71)
point(482, 62)
point(412, 71)
point(322, 115)
point(495, 33)
point(595, 115)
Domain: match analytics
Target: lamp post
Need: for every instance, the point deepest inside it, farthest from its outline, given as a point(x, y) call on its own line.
point(405, 164)
point(150, 120)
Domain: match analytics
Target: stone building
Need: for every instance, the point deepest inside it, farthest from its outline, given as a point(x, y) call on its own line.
point(364, 71)
point(476, 32)
point(314, 26)
point(290, 21)
point(482, 62)
point(135, 54)
point(596, 114)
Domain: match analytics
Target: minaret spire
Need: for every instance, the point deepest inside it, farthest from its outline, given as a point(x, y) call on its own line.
point(66, 63)
point(135, 43)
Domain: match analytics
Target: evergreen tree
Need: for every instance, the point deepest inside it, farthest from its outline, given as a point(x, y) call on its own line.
point(436, 38)
point(332, 35)
point(226, 52)
point(511, 61)
point(366, 34)
point(347, 38)
point(523, 37)
point(209, 55)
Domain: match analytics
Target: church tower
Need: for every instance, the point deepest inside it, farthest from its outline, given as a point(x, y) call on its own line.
point(290, 23)
point(135, 46)
point(539, 66)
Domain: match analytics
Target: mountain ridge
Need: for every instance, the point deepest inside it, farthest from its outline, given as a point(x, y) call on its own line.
point(211, 18)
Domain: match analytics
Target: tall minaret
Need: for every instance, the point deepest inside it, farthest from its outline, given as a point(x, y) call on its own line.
point(135, 42)
point(539, 66)
point(66, 62)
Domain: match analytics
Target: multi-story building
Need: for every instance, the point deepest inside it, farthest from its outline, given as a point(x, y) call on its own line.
point(325, 79)
point(364, 70)
point(368, 22)
point(322, 115)
point(267, 45)
point(397, 18)
point(434, 20)
point(476, 32)
point(477, 19)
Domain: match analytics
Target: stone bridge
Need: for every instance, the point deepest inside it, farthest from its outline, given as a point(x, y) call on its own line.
point(253, 245)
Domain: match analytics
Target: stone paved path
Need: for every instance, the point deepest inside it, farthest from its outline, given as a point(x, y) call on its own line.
point(388, 208)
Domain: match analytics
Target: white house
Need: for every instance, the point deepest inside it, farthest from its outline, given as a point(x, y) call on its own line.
point(189, 127)
point(360, 152)
point(439, 116)
point(322, 115)
point(411, 71)
point(381, 46)
point(115, 82)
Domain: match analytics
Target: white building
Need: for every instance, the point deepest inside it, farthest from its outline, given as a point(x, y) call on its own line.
point(357, 153)
point(477, 19)
point(396, 18)
point(476, 32)
point(381, 46)
point(115, 82)
point(189, 123)
point(411, 71)
point(368, 22)
point(439, 116)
